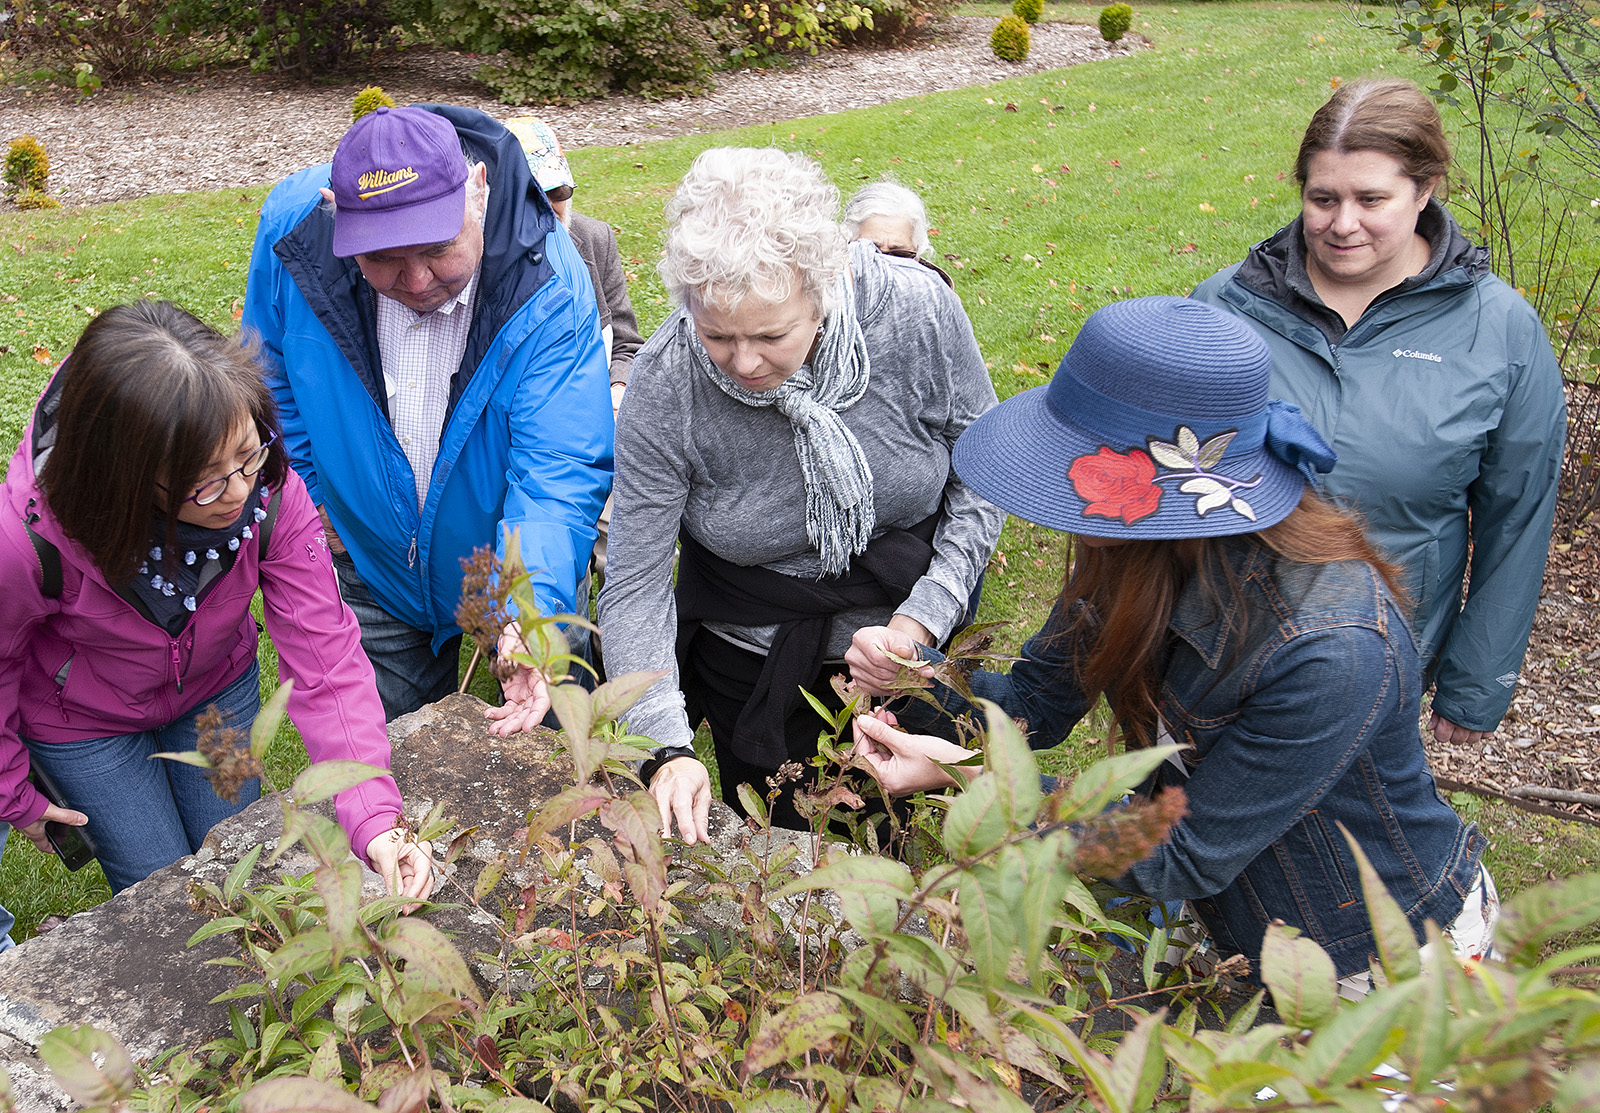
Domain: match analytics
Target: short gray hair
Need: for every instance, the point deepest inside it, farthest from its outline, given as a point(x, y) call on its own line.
point(747, 220)
point(888, 198)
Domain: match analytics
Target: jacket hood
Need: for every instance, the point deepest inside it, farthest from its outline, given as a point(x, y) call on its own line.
point(1275, 268)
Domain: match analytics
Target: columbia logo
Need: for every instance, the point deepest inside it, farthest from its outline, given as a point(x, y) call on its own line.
point(1411, 353)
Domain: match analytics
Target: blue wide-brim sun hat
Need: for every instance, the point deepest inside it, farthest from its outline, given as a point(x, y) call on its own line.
point(1157, 425)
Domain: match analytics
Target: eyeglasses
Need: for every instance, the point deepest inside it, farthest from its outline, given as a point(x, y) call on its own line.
point(213, 489)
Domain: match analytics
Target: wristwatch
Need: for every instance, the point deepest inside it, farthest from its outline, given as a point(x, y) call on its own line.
point(648, 767)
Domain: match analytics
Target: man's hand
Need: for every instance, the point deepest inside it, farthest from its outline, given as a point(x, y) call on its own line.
point(1447, 732)
point(406, 866)
point(904, 763)
point(527, 699)
point(334, 544)
point(52, 814)
point(682, 791)
point(872, 671)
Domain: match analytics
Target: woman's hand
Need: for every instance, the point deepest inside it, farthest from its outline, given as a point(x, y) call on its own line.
point(873, 672)
point(52, 814)
point(1450, 734)
point(682, 791)
point(904, 763)
point(406, 866)
point(525, 692)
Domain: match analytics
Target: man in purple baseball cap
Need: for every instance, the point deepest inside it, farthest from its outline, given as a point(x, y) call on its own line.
point(431, 335)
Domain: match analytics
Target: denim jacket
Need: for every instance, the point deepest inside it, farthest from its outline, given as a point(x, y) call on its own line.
point(1305, 720)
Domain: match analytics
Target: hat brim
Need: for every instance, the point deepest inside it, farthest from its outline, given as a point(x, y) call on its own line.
point(1021, 456)
point(436, 220)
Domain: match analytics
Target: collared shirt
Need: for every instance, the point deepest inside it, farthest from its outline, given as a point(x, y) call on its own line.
point(420, 352)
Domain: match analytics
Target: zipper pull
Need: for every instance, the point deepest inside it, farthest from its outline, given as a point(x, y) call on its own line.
point(411, 555)
point(177, 667)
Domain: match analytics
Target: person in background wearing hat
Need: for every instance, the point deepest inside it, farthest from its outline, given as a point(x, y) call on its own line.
point(1217, 601)
point(597, 243)
point(431, 334)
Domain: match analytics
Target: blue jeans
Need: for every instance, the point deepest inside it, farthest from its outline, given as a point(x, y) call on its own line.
point(6, 918)
point(410, 674)
point(147, 813)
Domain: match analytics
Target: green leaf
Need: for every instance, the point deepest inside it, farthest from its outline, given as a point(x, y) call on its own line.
point(1045, 875)
point(89, 1065)
point(265, 728)
point(188, 757)
point(754, 805)
point(1234, 1083)
point(870, 890)
point(575, 710)
point(1580, 1089)
point(813, 1020)
point(300, 1095)
point(1011, 762)
point(270, 1038)
point(976, 820)
point(1138, 1066)
point(239, 875)
point(887, 1015)
point(1397, 943)
point(301, 954)
point(617, 695)
point(991, 934)
point(1359, 1037)
point(772, 1101)
point(1304, 984)
point(307, 1004)
point(636, 822)
point(564, 807)
point(1110, 779)
point(340, 888)
point(219, 926)
point(429, 953)
point(243, 991)
point(325, 1064)
point(1096, 1069)
point(1535, 915)
point(323, 779)
point(489, 877)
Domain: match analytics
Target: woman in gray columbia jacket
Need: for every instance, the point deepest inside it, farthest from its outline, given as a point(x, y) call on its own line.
point(1431, 378)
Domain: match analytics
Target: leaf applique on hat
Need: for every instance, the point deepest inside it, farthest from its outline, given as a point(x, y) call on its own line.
point(1191, 460)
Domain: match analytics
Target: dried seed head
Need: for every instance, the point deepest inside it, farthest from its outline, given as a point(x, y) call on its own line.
point(228, 750)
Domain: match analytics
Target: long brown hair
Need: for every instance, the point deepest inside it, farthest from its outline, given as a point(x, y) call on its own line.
point(148, 395)
point(1121, 599)
point(1392, 116)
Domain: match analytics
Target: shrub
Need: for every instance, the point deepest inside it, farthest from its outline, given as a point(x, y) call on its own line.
point(1029, 11)
point(303, 36)
point(555, 51)
point(762, 32)
point(36, 199)
point(119, 40)
point(1115, 19)
point(27, 166)
point(1011, 39)
point(368, 99)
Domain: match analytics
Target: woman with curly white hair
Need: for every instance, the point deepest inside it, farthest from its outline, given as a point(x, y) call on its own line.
point(791, 423)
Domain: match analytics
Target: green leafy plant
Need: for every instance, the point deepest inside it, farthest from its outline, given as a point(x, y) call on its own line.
point(118, 41)
point(35, 199)
point(1115, 19)
point(1011, 40)
point(553, 52)
point(27, 165)
point(1029, 11)
point(370, 98)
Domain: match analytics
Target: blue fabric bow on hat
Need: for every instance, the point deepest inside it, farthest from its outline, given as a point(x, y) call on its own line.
point(1295, 441)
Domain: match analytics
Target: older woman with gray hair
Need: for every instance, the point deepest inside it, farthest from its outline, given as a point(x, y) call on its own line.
point(791, 424)
point(891, 216)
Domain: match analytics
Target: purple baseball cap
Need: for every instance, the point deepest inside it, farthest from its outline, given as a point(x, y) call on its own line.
point(399, 178)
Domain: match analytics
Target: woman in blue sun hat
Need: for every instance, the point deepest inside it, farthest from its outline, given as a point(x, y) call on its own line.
point(1218, 601)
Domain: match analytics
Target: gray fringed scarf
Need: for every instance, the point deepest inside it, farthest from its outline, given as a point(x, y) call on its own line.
point(840, 514)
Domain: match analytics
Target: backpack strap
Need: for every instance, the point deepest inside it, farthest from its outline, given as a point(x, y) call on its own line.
point(49, 556)
point(264, 531)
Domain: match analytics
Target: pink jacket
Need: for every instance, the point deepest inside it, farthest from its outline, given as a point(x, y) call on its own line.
point(128, 674)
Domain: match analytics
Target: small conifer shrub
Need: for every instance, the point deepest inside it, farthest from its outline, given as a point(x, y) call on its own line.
point(1115, 19)
point(27, 166)
point(368, 99)
point(36, 199)
point(1029, 11)
point(1011, 40)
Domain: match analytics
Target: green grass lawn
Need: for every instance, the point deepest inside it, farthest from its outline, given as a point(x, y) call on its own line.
point(1052, 195)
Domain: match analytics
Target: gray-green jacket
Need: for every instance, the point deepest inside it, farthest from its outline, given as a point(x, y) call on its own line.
point(1445, 405)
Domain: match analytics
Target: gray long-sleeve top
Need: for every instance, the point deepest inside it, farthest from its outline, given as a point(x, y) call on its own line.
point(687, 453)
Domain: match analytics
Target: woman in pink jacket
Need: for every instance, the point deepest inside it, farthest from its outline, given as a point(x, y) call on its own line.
point(129, 551)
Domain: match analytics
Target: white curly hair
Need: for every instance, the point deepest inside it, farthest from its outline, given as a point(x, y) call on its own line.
point(888, 198)
point(749, 220)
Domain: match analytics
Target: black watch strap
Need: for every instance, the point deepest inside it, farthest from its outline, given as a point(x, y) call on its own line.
point(648, 768)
